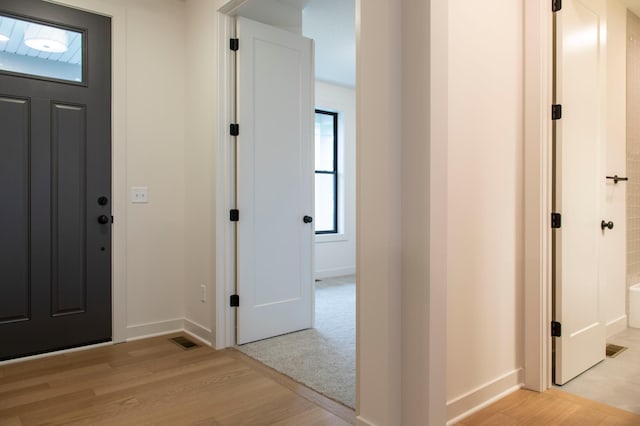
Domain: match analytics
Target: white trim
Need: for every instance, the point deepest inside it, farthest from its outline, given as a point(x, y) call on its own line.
point(537, 156)
point(481, 397)
point(360, 421)
point(616, 326)
point(336, 272)
point(332, 238)
point(225, 254)
point(199, 332)
point(152, 329)
point(50, 354)
point(119, 154)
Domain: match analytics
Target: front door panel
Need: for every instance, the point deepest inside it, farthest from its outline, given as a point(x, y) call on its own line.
point(55, 163)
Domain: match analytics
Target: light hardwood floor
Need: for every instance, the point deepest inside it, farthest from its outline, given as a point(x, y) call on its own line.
point(552, 407)
point(154, 381)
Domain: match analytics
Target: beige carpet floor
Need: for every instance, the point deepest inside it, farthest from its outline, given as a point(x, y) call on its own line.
point(322, 358)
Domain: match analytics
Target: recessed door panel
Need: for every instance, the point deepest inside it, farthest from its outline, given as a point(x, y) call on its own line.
point(69, 202)
point(14, 210)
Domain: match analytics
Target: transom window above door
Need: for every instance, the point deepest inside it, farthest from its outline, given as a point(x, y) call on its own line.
point(41, 50)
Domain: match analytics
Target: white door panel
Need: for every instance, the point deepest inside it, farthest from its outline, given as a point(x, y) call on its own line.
point(579, 186)
point(275, 181)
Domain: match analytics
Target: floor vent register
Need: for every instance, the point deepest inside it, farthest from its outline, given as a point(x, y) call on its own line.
point(614, 350)
point(184, 343)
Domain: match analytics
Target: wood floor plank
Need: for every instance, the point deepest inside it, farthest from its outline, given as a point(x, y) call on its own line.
point(156, 382)
point(553, 407)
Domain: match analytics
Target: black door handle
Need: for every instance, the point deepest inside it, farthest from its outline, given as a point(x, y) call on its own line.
point(307, 219)
point(604, 224)
point(103, 219)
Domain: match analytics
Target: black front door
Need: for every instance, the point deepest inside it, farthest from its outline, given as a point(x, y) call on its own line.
point(55, 178)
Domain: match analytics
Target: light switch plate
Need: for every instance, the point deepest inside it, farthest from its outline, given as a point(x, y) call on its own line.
point(139, 194)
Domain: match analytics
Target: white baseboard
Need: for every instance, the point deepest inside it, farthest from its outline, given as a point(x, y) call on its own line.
point(199, 332)
point(337, 272)
point(485, 395)
point(616, 326)
point(363, 422)
point(152, 329)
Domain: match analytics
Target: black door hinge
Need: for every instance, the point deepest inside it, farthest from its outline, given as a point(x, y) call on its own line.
point(234, 215)
point(556, 5)
point(556, 329)
point(556, 112)
point(556, 220)
point(234, 44)
point(111, 219)
point(234, 129)
point(234, 301)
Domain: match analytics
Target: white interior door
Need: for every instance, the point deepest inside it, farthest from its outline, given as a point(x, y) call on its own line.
point(579, 188)
point(274, 181)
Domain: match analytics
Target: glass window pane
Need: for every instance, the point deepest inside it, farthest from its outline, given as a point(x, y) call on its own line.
point(325, 202)
point(324, 141)
point(40, 50)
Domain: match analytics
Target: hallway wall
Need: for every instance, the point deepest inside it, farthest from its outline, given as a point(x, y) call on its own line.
point(485, 311)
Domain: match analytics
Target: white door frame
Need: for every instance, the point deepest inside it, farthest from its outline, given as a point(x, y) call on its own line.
point(538, 190)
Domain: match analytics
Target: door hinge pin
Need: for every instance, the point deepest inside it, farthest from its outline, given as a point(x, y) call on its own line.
point(234, 129)
point(234, 215)
point(556, 5)
point(556, 329)
point(234, 301)
point(556, 220)
point(234, 44)
point(556, 112)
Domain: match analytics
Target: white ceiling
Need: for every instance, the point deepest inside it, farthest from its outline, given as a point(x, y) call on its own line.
point(332, 24)
point(633, 5)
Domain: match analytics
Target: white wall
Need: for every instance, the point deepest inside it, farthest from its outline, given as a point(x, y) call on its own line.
point(155, 158)
point(335, 255)
point(613, 249)
point(200, 165)
point(485, 310)
point(379, 246)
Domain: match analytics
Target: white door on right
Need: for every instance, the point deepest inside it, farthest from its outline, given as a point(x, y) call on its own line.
point(578, 189)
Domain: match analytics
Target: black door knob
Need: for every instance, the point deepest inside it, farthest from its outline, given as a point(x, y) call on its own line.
point(103, 219)
point(604, 225)
point(103, 201)
point(307, 219)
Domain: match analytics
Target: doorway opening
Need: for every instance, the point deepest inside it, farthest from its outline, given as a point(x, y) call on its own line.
point(323, 357)
point(593, 244)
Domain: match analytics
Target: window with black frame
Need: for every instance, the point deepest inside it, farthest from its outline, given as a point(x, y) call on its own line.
point(326, 180)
